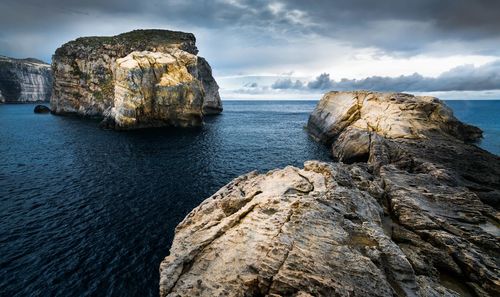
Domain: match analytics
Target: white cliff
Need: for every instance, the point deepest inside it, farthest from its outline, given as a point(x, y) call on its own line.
point(24, 80)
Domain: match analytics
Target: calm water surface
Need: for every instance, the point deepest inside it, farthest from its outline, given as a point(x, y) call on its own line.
point(484, 114)
point(88, 212)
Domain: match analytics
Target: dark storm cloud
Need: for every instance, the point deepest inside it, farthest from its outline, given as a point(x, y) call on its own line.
point(479, 16)
point(388, 24)
point(462, 78)
point(238, 35)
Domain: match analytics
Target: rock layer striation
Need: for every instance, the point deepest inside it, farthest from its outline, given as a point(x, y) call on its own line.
point(406, 212)
point(143, 78)
point(24, 80)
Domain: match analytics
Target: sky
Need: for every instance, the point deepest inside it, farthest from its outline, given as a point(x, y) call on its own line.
point(293, 49)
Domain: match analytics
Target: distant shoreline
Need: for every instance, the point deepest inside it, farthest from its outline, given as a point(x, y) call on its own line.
point(278, 99)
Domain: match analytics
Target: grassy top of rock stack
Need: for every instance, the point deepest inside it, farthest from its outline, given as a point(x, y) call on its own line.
point(123, 44)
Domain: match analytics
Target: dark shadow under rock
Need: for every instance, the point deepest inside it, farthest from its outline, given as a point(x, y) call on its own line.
point(41, 109)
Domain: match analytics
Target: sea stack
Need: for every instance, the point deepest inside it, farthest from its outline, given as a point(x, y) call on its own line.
point(139, 79)
point(409, 209)
point(24, 80)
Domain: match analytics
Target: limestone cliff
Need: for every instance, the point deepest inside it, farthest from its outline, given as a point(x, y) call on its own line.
point(24, 80)
point(415, 215)
point(143, 78)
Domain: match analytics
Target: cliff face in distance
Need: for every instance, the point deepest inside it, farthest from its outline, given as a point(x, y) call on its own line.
point(24, 80)
point(410, 209)
point(143, 78)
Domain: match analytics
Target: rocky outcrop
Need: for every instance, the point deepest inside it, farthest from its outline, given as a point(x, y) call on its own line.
point(156, 89)
point(41, 109)
point(399, 215)
point(212, 103)
point(375, 127)
point(143, 78)
point(24, 80)
point(390, 115)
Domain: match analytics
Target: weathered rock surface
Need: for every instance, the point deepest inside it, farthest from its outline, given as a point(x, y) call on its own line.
point(212, 103)
point(399, 128)
point(124, 79)
point(156, 89)
point(24, 80)
point(406, 222)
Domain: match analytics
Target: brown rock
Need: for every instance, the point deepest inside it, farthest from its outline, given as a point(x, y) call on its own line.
point(90, 79)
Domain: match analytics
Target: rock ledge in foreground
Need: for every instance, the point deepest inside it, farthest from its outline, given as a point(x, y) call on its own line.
point(406, 222)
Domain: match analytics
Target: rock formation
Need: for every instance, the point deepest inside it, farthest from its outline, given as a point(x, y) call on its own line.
point(24, 80)
point(375, 127)
point(41, 109)
point(143, 78)
point(411, 209)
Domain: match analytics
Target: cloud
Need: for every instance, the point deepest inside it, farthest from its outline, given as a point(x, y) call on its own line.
point(461, 78)
point(321, 82)
point(359, 38)
point(287, 83)
point(251, 85)
point(385, 24)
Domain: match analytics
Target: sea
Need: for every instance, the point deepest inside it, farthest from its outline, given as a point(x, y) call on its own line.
point(92, 212)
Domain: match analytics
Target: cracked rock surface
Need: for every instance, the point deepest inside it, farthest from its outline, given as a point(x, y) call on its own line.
point(91, 73)
point(156, 89)
point(400, 215)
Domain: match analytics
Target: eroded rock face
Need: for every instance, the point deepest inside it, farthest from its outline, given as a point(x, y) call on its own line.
point(440, 189)
point(391, 115)
point(157, 89)
point(403, 223)
point(388, 128)
point(90, 79)
point(319, 231)
point(212, 103)
point(285, 232)
point(24, 80)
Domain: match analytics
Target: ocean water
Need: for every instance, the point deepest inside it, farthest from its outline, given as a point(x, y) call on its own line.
point(484, 114)
point(89, 212)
